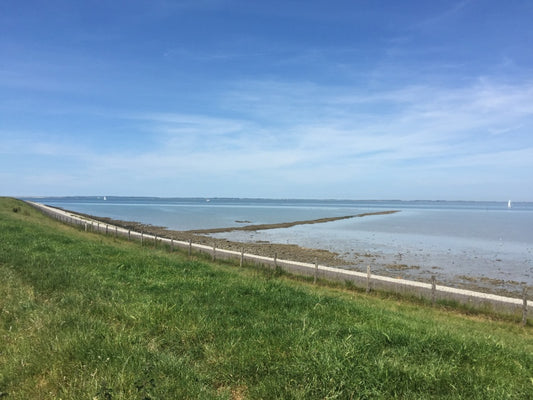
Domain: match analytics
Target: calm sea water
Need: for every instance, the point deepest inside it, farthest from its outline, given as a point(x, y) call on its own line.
point(486, 240)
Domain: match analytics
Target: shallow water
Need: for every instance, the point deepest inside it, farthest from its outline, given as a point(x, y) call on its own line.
point(447, 244)
point(448, 239)
point(187, 214)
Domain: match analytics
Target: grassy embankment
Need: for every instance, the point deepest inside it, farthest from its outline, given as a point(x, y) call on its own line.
point(84, 316)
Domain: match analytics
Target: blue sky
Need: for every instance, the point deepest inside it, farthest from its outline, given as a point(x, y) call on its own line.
point(281, 99)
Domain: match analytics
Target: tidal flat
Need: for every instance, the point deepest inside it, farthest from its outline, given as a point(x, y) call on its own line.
point(258, 239)
point(487, 242)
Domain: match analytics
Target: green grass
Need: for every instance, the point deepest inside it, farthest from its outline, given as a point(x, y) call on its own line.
point(84, 316)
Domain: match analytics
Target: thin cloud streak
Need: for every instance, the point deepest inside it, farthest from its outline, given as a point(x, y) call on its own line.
point(345, 138)
point(427, 132)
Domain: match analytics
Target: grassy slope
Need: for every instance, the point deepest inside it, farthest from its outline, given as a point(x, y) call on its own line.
point(84, 316)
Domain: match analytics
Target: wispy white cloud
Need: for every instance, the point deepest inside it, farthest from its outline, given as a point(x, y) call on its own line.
point(346, 138)
point(24, 143)
point(416, 124)
point(179, 124)
point(452, 10)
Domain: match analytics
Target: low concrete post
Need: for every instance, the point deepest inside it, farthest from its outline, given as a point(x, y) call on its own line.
point(242, 257)
point(116, 231)
point(316, 271)
point(433, 290)
point(86, 227)
point(368, 275)
point(155, 241)
point(524, 307)
point(142, 237)
point(171, 244)
point(129, 234)
point(275, 260)
point(190, 247)
point(214, 252)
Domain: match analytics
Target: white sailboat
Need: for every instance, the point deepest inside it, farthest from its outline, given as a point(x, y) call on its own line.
point(105, 198)
point(509, 204)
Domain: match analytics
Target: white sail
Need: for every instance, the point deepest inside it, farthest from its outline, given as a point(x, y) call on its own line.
point(509, 204)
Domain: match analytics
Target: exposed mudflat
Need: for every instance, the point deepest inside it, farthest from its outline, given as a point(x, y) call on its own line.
point(283, 251)
point(310, 255)
point(285, 224)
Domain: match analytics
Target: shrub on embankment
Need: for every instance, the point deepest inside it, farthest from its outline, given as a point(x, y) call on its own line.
point(88, 316)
